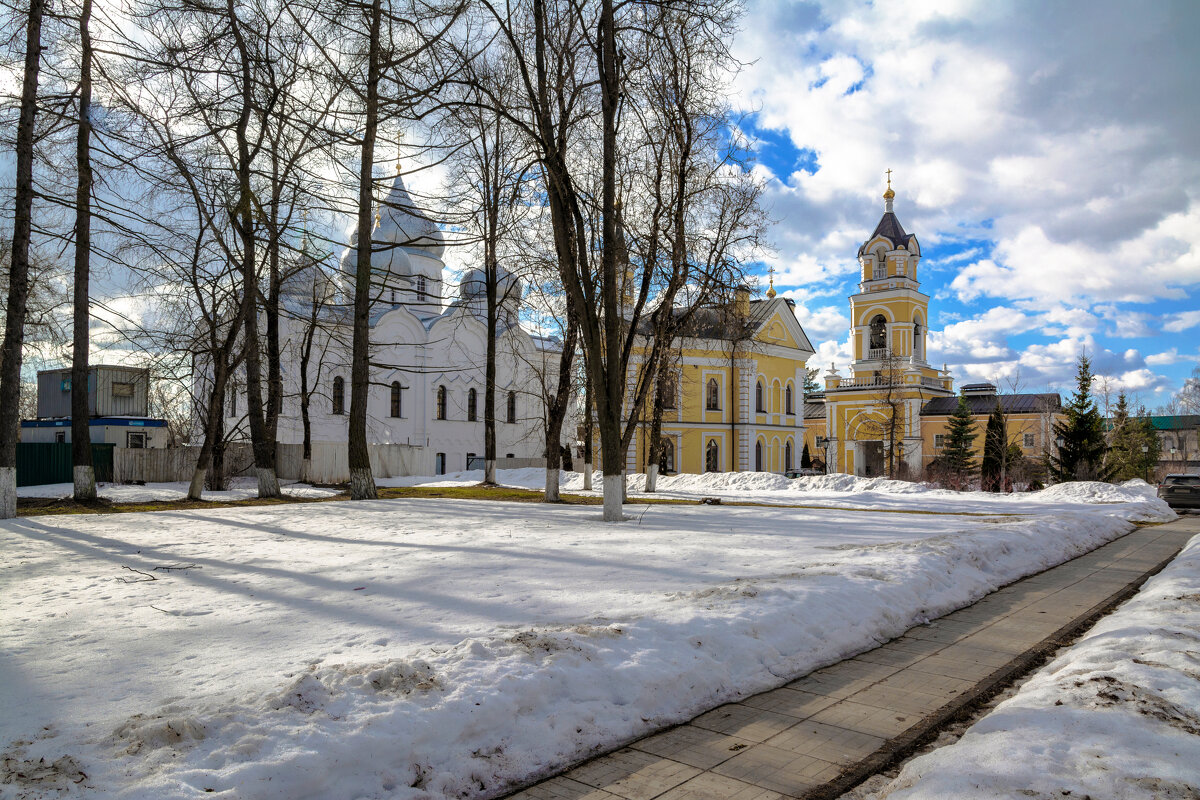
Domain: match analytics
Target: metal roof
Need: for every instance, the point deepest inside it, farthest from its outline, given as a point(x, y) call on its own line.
point(983, 404)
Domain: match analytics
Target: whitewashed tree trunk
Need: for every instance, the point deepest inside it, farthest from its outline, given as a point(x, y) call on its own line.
point(552, 485)
point(362, 484)
point(614, 488)
point(85, 483)
point(306, 470)
point(587, 476)
point(196, 487)
point(8, 492)
point(624, 487)
point(268, 483)
point(489, 471)
point(651, 478)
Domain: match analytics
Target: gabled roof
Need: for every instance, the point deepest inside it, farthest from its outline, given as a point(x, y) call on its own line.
point(721, 323)
point(982, 405)
point(814, 410)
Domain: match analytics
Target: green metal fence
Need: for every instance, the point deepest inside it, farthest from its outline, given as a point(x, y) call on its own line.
point(39, 463)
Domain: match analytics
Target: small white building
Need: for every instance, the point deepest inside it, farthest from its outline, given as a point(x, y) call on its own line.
point(427, 354)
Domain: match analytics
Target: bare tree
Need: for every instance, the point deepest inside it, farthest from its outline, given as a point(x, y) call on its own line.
point(18, 275)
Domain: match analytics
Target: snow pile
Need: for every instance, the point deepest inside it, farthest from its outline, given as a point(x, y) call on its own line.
point(1116, 715)
point(840, 482)
point(423, 649)
point(1132, 491)
point(239, 489)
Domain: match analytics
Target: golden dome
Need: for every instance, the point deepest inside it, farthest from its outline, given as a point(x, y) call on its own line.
point(889, 194)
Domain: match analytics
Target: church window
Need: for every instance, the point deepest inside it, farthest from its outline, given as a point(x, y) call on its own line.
point(395, 398)
point(393, 292)
point(512, 406)
point(666, 459)
point(339, 395)
point(666, 390)
point(420, 287)
point(712, 396)
point(441, 403)
point(439, 464)
point(787, 400)
point(471, 403)
point(939, 441)
point(758, 397)
point(758, 461)
point(878, 333)
point(880, 264)
point(232, 398)
point(787, 455)
point(1030, 439)
point(712, 457)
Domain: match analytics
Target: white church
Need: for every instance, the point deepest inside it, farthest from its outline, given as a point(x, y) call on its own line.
point(427, 354)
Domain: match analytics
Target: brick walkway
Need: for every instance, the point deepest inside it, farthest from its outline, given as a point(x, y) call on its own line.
point(820, 735)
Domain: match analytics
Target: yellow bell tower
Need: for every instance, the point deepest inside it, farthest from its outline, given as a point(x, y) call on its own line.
point(872, 414)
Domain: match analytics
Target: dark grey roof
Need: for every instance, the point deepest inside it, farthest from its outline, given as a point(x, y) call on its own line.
point(978, 387)
point(714, 322)
point(814, 411)
point(982, 405)
point(890, 228)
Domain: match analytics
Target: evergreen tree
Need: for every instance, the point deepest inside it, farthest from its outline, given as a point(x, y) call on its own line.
point(958, 454)
point(995, 442)
point(1080, 455)
point(1128, 435)
point(805, 458)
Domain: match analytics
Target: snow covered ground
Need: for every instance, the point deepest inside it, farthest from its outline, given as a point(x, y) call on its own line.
point(1115, 716)
point(421, 648)
point(239, 489)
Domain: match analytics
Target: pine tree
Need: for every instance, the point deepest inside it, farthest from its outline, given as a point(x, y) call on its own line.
point(995, 442)
point(1081, 453)
point(1128, 435)
point(958, 454)
point(805, 458)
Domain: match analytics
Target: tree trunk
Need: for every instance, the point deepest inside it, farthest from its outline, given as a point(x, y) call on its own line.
point(83, 473)
point(212, 429)
point(18, 272)
point(264, 448)
point(362, 482)
point(588, 467)
point(489, 389)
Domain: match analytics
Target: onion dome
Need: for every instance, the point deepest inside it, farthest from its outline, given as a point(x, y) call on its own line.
point(402, 223)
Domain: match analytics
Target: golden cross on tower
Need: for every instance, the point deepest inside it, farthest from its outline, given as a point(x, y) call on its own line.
point(889, 174)
point(771, 289)
point(399, 149)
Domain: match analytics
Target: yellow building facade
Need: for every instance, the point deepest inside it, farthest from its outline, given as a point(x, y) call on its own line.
point(734, 391)
point(892, 405)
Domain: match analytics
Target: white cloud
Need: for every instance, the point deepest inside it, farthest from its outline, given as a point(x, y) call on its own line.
point(1177, 323)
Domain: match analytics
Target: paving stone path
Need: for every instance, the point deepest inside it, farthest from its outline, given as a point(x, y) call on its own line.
point(819, 736)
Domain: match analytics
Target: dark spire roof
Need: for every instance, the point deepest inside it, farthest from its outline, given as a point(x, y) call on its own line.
point(890, 228)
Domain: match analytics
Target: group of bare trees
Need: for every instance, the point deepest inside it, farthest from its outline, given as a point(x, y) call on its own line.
point(590, 146)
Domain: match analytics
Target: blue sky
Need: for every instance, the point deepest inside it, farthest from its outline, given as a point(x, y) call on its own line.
point(1046, 155)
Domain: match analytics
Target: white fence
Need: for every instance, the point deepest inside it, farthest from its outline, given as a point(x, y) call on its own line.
point(329, 464)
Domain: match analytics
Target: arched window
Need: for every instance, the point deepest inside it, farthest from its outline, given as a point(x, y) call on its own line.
point(232, 397)
point(712, 457)
point(758, 397)
point(758, 461)
point(666, 461)
point(471, 396)
point(918, 341)
point(787, 455)
point(712, 396)
point(880, 263)
point(339, 396)
point(395, 398)
point(878, 332)
point(441, 402)
point(787, 400)
point(512, 406)
point(420, 287)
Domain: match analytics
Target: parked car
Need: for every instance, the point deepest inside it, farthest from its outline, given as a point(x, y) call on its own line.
point(803, 473)
point(1180, 491)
